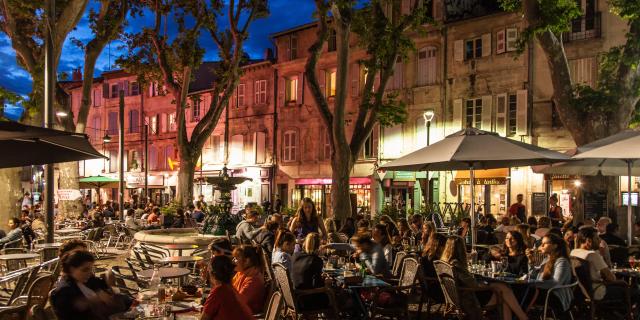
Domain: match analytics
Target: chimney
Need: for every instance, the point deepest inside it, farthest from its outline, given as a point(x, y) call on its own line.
point(76, 75)
point(268, 54)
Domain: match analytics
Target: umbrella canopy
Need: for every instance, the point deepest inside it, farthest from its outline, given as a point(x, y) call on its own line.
point(471, 149)
point(98, 182)
point(477, 149)
point(619, 149)
point(31, 145)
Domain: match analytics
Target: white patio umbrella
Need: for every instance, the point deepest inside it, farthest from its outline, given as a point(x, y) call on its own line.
point(472, 149)
point(613, 151)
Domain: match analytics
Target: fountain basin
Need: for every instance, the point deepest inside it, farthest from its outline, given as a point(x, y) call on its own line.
point(174, 236)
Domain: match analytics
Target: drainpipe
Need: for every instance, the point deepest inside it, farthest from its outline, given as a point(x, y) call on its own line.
point(274, 165)
point(444, 87)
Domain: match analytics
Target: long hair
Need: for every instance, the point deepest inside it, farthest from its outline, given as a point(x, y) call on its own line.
point(302, 219)
point(520, 245)
point(455, 249)
point(434, 246)
point(386, 239)
point(251, 253)
point(561, 251)
point(283, 236)
point(429, 230)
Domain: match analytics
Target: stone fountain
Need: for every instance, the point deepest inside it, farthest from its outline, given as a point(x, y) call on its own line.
point(219, 220)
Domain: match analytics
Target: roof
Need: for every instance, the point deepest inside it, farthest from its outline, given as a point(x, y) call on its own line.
point(294, 29)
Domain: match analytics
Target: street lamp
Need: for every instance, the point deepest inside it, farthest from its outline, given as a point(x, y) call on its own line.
point(428, 117)
point(61, 113)
point(106, 138)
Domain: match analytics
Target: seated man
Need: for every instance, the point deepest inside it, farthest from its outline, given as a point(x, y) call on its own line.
point(587, 243)
point(610, 237)
point(372, 255)
point(15, 232)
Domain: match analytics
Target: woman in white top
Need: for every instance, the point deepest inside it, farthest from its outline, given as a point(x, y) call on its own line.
point(381, 236)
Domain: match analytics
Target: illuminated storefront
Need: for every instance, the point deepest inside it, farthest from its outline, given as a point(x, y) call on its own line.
point(319, 190)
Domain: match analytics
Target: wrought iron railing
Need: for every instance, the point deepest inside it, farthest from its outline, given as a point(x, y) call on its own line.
point(585, 27)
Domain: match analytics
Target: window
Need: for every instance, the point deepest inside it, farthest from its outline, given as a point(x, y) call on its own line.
point(96, 97)
point(236, 151)
point(113, 161)
point(293, 45)
point(134, 161)
point(512, 115)
point(330, 83)
point(260, 91)
point(113, 123)
point(368, 148)
point(333, 44)
point(154, 89)
point(195, 110)
point(396, 80)
point(171, 122)
point(115, 90)
point(135, 89)
point(134, 121)
point(97, 128)
point(583, 71)
point(240, 95)
point(427, 64)
point(161, 160)
point(291, 87)
point(474, 113)
point(154, 124)
point(168, 154)
point(290, 146)
point(218, 148)
point(153, 155)
point(473, 49)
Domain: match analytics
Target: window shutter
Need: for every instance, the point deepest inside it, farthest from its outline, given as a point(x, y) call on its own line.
point(456, 123)
point(486, 44)
point(521, 120)
point(281, 89)
point(249, 150)
point(458, 50)
point(501, 114)
point(287, 48)
point(512, 39)
point(260, 144)
point(164, 124)
point(501, 45)
point(355, 79)
point(487, 112)
point(398, 75)
point(322, 81)
point(105, 90)
point(125, 86)
point(300, 88)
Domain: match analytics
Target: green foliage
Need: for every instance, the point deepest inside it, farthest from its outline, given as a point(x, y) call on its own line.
point(289, 211)
point(392, 111)
point(170, 209)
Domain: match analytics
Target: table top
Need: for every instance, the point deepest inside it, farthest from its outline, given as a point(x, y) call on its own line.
point(19, 256)
point(67, 230)
point(369, 281)
point(179, 259)
point(65, 238)
point(626, 272)
point(48, 245)
point(508, 279)
point(179, 246)
point(165, 273)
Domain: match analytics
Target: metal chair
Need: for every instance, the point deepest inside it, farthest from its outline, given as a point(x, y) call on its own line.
point(536, 258)
point(20, 280)
point(292, 297)
point(47, 254)
point(461, 300)
point(406, 284)
point(14, 243)
point(37, 295)
point(121, 279)
point(13, 250)
point(274, 308)
point(397, 263)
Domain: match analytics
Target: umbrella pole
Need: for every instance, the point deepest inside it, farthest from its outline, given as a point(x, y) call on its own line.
point(629, 211)
point(472, 183)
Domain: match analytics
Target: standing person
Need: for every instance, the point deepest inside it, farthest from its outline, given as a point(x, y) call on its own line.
point(518, 209)
point(277, 206)
point(307, 221)
point(223, 301)
point(555, 211)
point(249, 279)
point(555, 270)
point(26, 200)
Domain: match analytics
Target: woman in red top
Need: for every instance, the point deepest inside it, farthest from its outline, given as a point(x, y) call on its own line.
point(224, 302)
point(249, 278)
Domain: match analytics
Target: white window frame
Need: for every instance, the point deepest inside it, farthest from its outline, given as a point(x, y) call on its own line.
point(171, 122)
point(289, 145)
point(260, 92)
point(476, 117)
point(240, 95)
point(291, 89)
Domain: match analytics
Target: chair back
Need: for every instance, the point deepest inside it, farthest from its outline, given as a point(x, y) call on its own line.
point(91, 234)
point(397, 263)
point(14, 243)
point(266, 264)
point(409, 273)
point(285, 285)
point(47, 254)
point(581, 272)
point(444, 271)
point(536, 258)
point(21, 284)
point(275, 306)
point(500, 236)
point(33, 274)
point(39, 291)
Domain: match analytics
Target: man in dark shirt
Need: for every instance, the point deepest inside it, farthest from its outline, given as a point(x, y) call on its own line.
point(610, 236)
point(518, 209)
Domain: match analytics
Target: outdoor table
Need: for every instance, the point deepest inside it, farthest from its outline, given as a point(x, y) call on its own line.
point(48, 245)
point(166, 273)
point(181, 260)
point(65, 238)
point(184, 309)
point(8, 258)
point(628, 273)
point(511, 281)
point(67, 231)
point(368, 282)
point(179, 247)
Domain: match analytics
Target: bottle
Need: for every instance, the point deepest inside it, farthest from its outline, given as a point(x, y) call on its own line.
point(363, 270)
point(154, 282)
point(161, 293)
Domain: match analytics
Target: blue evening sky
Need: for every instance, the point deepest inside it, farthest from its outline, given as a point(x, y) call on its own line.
point(284, 14)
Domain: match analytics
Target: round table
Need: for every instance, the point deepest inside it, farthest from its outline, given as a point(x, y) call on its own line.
point(179, 247)
point(65, 238)
point(19, 256)
point(48, 245)
point(67, 231)
point(181, 260)
point(165, 273)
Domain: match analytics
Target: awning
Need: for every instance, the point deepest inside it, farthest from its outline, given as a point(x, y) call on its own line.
point(352, 180)
point(489, 173)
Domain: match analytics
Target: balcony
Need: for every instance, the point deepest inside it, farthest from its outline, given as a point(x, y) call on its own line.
point(583, 28)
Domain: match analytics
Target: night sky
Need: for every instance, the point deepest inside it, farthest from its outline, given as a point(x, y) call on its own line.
point(284, 14)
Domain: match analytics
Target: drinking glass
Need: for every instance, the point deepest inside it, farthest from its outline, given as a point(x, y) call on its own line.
point(632, 262)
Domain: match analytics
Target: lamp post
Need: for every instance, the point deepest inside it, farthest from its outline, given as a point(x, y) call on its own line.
point(428, 117)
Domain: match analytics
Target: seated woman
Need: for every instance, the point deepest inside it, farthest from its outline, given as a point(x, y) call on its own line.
point(465, 230)
point(284, 247)
point(514, 247)
point(456, 255)
point(381, 236)
point(249, 278)
point(80, 294)
point(224, 302)
point(332, 234)
point(178, 221)
point(432, 252)
point(555, 270)
point(306, 272)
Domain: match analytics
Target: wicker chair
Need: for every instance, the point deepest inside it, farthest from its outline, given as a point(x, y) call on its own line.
point(406, 285)
point(462, 301)
point(291, 297)
point(397, 263)
point(274, 308)
point(537, 258)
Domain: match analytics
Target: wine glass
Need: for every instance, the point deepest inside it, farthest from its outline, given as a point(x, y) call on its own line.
point(632, 262)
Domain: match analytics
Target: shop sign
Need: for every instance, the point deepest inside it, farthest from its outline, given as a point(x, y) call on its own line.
point(404, 176)
point(561, 177)
point(69, 194)
point(483, 181)
point(138, 180)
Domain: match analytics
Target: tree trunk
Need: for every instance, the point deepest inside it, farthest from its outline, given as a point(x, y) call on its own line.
point(69, 180)
point(341, 166)
point(185, 179)
point(11, 195)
